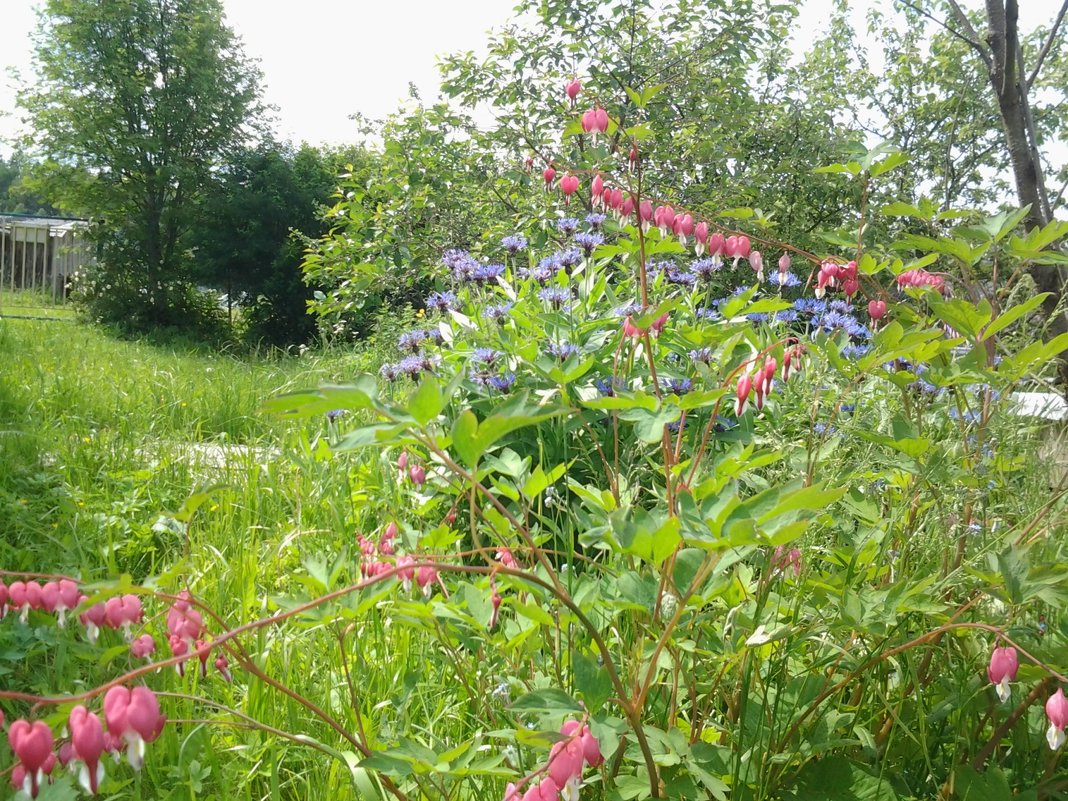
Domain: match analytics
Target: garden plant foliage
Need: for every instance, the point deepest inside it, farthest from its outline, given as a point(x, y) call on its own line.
point(644, 505)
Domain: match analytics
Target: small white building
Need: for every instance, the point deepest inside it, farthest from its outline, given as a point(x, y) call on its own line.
point(39, 254)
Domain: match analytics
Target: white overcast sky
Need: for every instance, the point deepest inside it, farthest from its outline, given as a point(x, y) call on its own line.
point(326, 59)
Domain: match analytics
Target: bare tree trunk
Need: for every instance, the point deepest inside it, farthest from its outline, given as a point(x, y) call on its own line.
point(1004, 62)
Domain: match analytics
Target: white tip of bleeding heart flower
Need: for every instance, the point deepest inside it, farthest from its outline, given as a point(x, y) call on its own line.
point(1055, 737)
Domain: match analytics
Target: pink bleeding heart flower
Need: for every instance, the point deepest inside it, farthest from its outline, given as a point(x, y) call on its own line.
point(511, 793)
point(569, 184)
point(783, 560)
point(1004, 663)
point(626, 208)
point(32, 746)
point(402, 461)
point(700, 234)
point(850, 286)
point(591, 748)
point(406, 570)
point(143, 647)
point(657, 327)
point(3, 599)
point(565, 761)
point(87, 740)
point(50, 596)
point(645, 214)
point(597, 190)
point(69, 597)
point(758, 388)
point(633, 157)
point(664, 218)
point(572, 89)
point(425, 577)
point(548, 790)
point(768, 373)
point(756, 261)
point(717, 245)
point(877, 309)
point(16, 598)
point(683, 228)
point(741, 392)
point(595, 121)
point(548, 175)
point(631, 330)
point(93, 619)
point(495, 601)
point(133, 715)
point(1057, 712)
point(222, 664)
point(417, 473)
point(784, 263)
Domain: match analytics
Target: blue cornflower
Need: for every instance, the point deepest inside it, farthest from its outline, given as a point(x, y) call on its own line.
point(757, 317)
point(681, 278)
point(969, 415)
point(503, 382)
point(486, 355)
point(561, 350)
point(434, 335)
point(411, 366)
point(412, 341)
point(785, 280)
point(627, 310)
point(708, 314)
point(675, 426)
point(810, 306)
point(569, 258)
point(839, 305)
point(498, 313)
point(706, 268)
point(653, 269)
point(678, 386)
point(453, 258)
point(838, 321)
point(334, 414)
point(704, 356)
point(608, 386)
point(546, 269)
point(785, 316)
point(555, 296)
point(567, 225)
point(855, 351)
point(515, 243)
point(595, 220)
point(389, 371)
point(823, 428)
point(588, 242)
point(487, 273)
point(442, 301)
point(724, 424)
point(847, 408)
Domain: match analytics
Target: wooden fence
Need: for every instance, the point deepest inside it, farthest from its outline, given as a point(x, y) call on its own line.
point(41, 254)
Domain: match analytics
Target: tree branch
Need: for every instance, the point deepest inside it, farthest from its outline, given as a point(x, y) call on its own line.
point(1046, 47)
point(969, 35)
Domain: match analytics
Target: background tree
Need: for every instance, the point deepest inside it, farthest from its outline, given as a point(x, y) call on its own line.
point(18, 194)
point(249, 242)
point(136, 102)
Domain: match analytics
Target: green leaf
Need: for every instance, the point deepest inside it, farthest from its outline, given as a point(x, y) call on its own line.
point(887, 164)
point(592, 681)
point(549, 699)
point(464, 438)
point(427, 401)
point(1008, 317)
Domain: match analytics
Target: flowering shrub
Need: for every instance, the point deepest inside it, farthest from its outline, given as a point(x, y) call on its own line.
point(675, 525)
